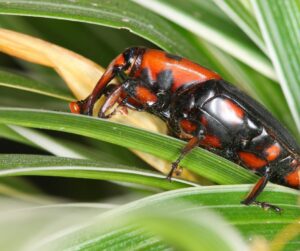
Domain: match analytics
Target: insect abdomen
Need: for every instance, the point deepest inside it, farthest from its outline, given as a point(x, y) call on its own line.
point(233, 131)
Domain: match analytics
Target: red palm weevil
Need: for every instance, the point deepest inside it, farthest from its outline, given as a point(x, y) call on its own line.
point(202, 109)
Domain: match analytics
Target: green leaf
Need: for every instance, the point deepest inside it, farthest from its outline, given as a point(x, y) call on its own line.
point(23, 83)
point(21, 189)
point(117, 14)
point(196, 230)
point(280, 25)
point(95, 150)
point(19, 165)
point(240, 14)
point(20, 98)
point(48, 143)
point(25, 223)
point(214, 28)
point(105, 230)
point(91, 149)
point(8, 133)
point(200, 161)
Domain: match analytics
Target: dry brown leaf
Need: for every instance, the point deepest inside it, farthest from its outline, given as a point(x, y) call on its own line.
point(81, 75)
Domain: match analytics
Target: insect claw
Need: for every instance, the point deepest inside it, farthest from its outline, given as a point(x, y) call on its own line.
point(266, 206)
point(169, 177)
point(173, 169)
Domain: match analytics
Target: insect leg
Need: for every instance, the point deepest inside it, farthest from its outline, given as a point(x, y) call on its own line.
point(114, 94)
point(119, 67)
point(110, 101)
point(194, 142)
point(257, 189)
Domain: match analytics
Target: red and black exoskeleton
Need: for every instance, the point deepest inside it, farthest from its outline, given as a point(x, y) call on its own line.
point(203, 109)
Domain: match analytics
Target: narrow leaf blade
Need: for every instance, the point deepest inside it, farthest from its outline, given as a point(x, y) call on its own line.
point(280, 25)
point(251, 221)
point(20, 165)
point(23, 83)
point(242, 17)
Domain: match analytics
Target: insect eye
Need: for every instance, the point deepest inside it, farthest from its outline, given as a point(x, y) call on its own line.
point(75, 108)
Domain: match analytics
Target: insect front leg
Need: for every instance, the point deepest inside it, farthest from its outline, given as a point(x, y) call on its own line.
point(119, 67)
point(131, 94)
point(256, 190)
point(86, 106)
point(113, 96)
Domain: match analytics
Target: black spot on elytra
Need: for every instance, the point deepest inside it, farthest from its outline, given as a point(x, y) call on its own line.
point(165, 80)
point(145, 76)
point(175, 57)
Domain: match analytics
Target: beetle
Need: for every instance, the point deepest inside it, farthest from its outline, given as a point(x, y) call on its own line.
point(202, 109)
